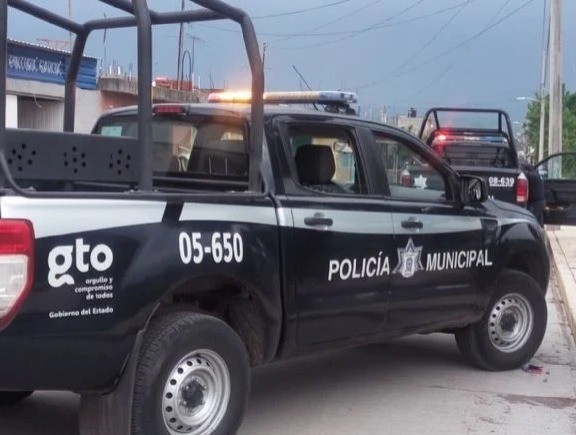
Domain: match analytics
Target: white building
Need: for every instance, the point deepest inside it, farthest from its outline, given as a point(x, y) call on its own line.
point(35, 88)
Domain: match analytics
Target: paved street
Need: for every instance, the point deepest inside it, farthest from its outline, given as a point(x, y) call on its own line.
point(410, 386)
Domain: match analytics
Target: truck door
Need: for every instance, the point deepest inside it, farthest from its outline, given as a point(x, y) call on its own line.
point(558, 173)
point(438, 245)
point(338, 249)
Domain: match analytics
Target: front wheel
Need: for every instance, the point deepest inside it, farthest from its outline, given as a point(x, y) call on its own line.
point(8, 398)
point(192, 378)
point(512, 328)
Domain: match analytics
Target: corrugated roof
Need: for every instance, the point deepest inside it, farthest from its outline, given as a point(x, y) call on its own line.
point(43, 47)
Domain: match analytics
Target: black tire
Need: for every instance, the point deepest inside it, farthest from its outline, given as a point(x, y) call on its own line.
point(8, 398)
point(190, 350)
point(511, 330)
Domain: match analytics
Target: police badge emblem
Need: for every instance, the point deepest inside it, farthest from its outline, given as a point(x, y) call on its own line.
point(409, 260)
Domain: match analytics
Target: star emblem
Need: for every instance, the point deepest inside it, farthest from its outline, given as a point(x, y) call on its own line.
point(420, 182)
point(409, 260)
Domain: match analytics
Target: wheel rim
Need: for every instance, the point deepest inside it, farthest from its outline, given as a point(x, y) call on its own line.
point(196, 394)
point(510, 323)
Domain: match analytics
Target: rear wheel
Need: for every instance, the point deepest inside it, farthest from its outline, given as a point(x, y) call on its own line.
point(512, 328)
point(192, 378)
point(8, 398)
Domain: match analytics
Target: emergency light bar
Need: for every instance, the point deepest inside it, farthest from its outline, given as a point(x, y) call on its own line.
point(442, 137)
point(295, 97)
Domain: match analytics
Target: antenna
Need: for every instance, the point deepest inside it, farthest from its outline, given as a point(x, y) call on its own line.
point(305, 82)
point(301, 77)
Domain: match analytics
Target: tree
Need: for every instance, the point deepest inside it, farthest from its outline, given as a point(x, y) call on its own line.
point(569, 122)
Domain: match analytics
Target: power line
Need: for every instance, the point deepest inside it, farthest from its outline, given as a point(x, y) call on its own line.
point(340, 18)
point(506, 3)
point(436, 79)
point(457, 59)
point(432, 39)
point(420, 17)
point(301, 11)
point(378, 25)
point(361, 31)
point(450, 50)
point(446, 70)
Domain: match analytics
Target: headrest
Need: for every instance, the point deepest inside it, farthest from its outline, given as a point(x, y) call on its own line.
point(220, 157)
point(315, 164)
point(226, 145)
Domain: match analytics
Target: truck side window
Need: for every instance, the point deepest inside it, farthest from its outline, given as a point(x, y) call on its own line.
point(326, 160)
point(409, 175)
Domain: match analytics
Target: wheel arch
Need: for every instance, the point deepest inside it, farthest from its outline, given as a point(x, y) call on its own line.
point(523, 247)
point(243, 307)
point(532, 264)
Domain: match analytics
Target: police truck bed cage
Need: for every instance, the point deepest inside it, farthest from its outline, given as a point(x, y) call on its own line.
point(470, 137)
point(66, 156)
point(445, 118)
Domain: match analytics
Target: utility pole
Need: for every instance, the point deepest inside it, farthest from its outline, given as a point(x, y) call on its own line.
point(542, 95)
point(180, 43)
point(70, 33)
point(264, 48)
point(556, 91)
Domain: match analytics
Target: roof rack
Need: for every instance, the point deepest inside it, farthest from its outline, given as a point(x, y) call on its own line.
point(333, 101)
point(140, 16)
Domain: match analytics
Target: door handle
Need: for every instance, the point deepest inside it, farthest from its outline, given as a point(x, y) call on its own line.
point(412, 224)
point(318, 220)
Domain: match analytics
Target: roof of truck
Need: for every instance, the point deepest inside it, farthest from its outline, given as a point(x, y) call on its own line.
point(236, 109)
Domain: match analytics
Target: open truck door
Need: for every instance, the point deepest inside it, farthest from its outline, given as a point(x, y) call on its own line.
point(558, 173)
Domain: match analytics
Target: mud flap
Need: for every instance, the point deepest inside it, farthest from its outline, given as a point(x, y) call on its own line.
point(111, 414)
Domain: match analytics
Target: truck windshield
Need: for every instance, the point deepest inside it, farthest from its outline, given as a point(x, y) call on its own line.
point(462, 150)
point(468, 120)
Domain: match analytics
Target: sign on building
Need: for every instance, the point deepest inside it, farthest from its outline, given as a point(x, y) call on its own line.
point(33, 62)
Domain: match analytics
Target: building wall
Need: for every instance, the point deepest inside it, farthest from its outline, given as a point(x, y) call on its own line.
point(88, 109)
point(41, 106)
point(11, 111)
point(40, 114)
point(111, 100)
point(411, 125)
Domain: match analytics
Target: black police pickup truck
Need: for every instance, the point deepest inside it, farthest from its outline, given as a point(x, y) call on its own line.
point(481, 142)
point(149, 265)
point(478, 142)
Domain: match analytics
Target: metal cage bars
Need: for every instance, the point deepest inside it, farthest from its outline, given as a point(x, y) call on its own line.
point(143, 19)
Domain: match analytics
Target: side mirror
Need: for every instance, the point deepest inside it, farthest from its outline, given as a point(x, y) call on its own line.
point(473, 190)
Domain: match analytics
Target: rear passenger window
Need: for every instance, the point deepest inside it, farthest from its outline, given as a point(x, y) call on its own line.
point(326, 160)
point(408, 175)
point(191, 151)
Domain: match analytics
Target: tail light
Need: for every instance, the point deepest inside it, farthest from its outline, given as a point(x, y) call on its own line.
point(16, 266)
point(170, 109)
point(522, 188)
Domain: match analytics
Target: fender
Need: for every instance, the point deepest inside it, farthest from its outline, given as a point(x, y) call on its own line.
point(520, 247)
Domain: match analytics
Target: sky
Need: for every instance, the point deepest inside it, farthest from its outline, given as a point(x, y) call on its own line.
point(395, 54)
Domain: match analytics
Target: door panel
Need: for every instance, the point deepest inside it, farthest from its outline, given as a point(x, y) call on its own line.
point(558, 173)
point(434, 271)
point(339, 235)
point(341, 269)
point(437, 243)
